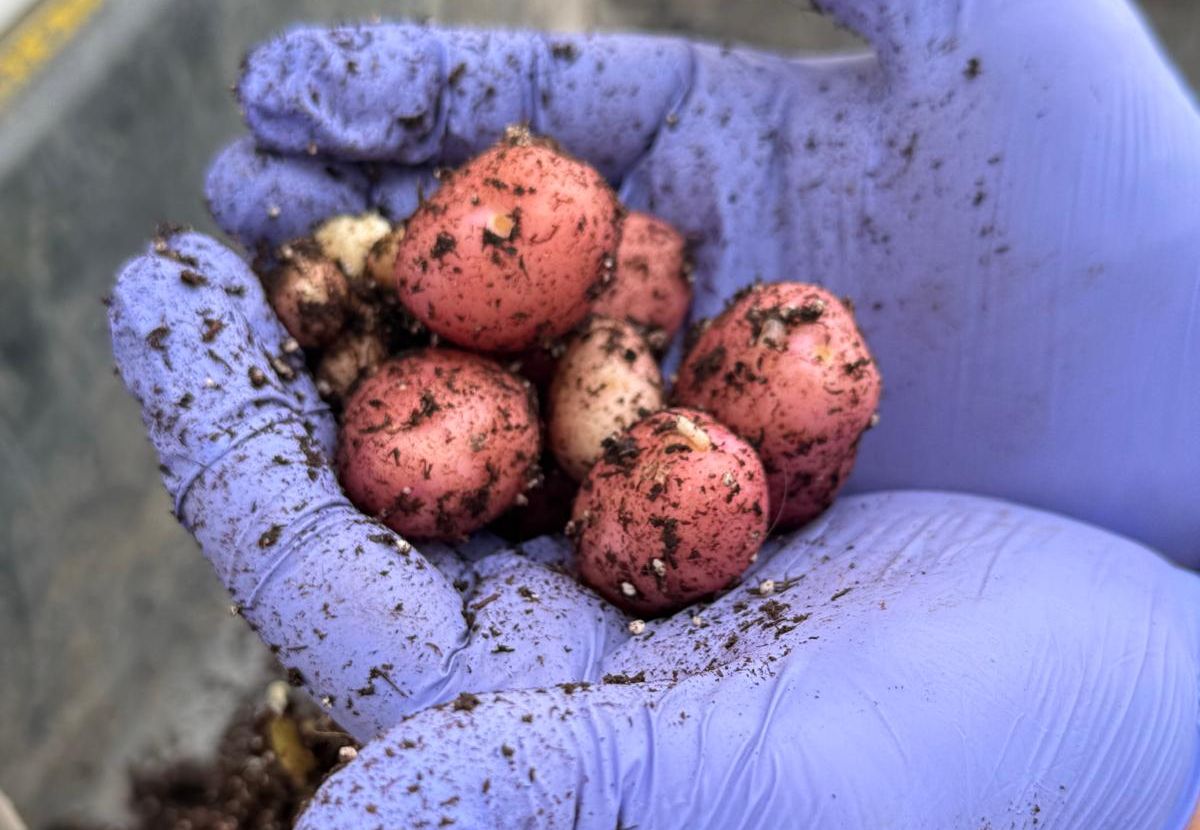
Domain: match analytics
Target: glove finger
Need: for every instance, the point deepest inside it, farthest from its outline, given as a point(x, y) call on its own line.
point(523, 607)
point(357, 615)
point(397, 190)
point(552, 758)
point(262, 200)
point(336, 595)
point(420, 95)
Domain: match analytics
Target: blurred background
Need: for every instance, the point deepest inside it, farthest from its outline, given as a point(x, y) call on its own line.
point(116, 642)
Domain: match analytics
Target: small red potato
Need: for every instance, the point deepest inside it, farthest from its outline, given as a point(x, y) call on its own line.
point(512, 248)
point(605, 382)
point(786, 368)
point(437, 443)
point(674, 511)
point(309, 293)
point(651, 285)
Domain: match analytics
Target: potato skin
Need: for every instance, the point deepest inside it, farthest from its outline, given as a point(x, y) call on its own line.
point(437, 443)
point(650, 286)
point(605, 382)
point(351, 356)
point(511, 250)
point(348, 241)
point(785, 367)
point(663, 520)
point(380, 264)
point(309, 293)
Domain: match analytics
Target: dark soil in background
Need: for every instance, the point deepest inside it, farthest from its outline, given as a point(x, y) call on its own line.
point(266, 767)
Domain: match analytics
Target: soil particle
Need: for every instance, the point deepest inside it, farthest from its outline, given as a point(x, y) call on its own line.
point(465, 702)
point(565, 52)
point(270, 536)
point(156, 338)
point(193, 278)
point(444, 244)
point(213, 328)
point(625, 679)
point(428, 407)
point(709, 365)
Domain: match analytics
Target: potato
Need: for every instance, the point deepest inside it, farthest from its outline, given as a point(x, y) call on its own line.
point(309, 293)
point(651, 284)
point(381, 260)
point(674, 511)
point(437, 443)
point(786, 368)
point(348, 240)
point(351, 356)
point(512, 248)
point(605, 382)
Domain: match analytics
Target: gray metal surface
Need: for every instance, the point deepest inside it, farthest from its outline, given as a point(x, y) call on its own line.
point(115, 640)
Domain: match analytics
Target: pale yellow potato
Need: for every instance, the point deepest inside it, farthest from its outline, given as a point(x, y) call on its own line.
point(381, 261)
point(347, 240)
point(606, 381)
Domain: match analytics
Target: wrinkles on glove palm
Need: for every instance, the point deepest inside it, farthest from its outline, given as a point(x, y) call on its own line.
point(1001, 191)
point(923, 660)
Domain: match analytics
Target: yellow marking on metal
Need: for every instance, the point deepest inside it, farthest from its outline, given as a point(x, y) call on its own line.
point(37, 38)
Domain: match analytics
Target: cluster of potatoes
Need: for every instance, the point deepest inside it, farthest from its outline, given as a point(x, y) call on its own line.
point(495, 362)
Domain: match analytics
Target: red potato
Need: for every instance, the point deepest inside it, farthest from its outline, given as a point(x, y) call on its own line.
point(785, 367)
point(437, 443)
point(512, 248)
point(605, 382)
point(674, 511)
point(310, 294)
point(651, 285)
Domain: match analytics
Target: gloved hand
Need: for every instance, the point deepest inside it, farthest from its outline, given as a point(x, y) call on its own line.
point(989, 663)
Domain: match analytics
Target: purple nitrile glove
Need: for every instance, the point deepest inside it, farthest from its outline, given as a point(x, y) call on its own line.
point(1005, 194)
